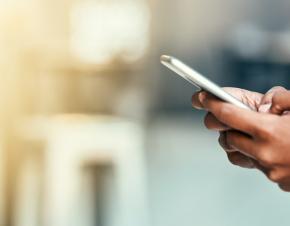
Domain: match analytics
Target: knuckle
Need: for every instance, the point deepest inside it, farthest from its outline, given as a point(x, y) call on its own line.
point(266, 157)
point(275, 176)
point(285, 187)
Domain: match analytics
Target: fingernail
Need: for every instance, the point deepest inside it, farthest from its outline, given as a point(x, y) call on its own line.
point(265, 108)
point(202, 96)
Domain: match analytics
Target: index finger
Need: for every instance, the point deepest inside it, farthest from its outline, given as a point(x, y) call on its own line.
point(196, 100)
point(244, 120)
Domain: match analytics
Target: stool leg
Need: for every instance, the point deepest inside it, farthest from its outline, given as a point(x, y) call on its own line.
point(131, 184)
point(63, 201)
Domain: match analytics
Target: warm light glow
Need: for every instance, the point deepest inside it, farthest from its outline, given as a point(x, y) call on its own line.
point(102, 30)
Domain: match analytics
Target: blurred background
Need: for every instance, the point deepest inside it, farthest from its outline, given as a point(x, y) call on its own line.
point(95, 132)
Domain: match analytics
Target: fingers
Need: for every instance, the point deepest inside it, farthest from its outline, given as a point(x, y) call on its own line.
point(196, 101)
point(210, 120)
point(280, 102)
point(237, 118)
point(223, 143)
point(238, 159)
point(212, 123)
point(241, 142)
point(235, 157)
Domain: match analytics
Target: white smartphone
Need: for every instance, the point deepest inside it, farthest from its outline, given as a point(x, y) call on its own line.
point(200, 81)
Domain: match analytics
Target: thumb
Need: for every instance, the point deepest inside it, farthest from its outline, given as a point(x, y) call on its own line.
point(266, 101)
point(280, 103)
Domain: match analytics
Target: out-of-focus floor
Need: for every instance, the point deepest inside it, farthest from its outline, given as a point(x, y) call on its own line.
point(192, 183)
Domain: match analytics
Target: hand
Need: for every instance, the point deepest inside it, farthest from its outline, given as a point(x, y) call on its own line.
point(251, 99)
point(259, 136)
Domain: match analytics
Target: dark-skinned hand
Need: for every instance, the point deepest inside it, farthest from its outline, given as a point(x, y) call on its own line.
point(253, 139)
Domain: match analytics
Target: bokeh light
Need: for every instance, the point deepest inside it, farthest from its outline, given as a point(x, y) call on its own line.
point(105, 30)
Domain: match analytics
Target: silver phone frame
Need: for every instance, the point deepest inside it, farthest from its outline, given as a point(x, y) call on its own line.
point(199, 80)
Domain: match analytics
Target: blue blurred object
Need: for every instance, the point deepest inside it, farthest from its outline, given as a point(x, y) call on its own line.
point(258, 59)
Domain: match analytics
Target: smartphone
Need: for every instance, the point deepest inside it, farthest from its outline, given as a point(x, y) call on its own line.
point(200, 81)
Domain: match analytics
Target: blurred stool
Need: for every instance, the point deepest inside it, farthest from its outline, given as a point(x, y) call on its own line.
point(76, 143)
